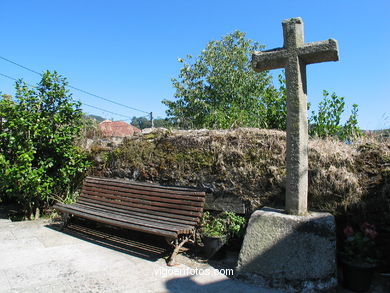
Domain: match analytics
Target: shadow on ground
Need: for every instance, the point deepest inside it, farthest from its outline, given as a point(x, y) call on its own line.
point(3, 212)
point(145, 246)
point(10, 212)
point(191, 285)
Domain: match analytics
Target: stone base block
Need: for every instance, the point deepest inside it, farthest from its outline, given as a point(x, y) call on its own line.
point(292, 253)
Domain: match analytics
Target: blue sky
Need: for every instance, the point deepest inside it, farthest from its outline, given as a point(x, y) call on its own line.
point(127, 51)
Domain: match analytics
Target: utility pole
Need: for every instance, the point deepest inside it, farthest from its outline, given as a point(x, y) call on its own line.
point(151, 119)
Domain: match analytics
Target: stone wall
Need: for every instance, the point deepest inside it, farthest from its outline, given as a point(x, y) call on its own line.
point(244, 170)
point(247, 167)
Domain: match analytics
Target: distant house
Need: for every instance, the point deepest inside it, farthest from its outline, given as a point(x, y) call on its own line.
point(117, 129)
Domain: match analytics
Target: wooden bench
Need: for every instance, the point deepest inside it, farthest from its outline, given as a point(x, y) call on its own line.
point(172, 212)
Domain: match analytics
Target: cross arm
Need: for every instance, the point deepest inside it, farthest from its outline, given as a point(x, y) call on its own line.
point(267, 60)
point(318, 52)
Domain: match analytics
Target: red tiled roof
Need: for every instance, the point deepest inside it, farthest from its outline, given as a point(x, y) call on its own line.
point(117, 128)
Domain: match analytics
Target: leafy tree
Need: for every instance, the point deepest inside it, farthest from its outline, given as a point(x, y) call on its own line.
point(90, 128)
point(38, 156)
point(327, 122)
point(220, 89)
point(143, 122)
point(96, 117)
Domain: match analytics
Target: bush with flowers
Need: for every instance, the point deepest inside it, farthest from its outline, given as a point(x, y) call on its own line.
point(359, 245)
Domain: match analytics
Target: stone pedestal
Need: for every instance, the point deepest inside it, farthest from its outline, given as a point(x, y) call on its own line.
point(292, 253)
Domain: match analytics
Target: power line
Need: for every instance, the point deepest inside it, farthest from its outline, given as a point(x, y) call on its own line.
point(75, 88)
point(9, 77)
point(107, 111)
point(101, 109)
point(15, 79)
point(17, 64)
point(105, 99)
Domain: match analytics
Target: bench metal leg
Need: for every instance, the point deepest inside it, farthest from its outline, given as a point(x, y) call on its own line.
point(65, 220)
point(171, 261)
point(173, 242)
point(178, 243)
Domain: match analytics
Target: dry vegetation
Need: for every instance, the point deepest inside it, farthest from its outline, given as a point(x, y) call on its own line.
point(250, 163)
point(350, 181)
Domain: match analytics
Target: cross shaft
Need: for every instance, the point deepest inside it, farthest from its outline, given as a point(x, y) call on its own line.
point(294, 56)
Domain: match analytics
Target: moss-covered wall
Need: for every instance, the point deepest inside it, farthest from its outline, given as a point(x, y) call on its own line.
point(250, 164)
point(350, 181)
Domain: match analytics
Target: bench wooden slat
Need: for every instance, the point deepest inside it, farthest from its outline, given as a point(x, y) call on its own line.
point(142, 201)
point(139, 210)
point(132, 194)
point(141, 213)
point(178, 228)
point(146, 207)
point(131, 189)
point(164, 223)
point(146, 186)
point(115, 222)
point(130, 220)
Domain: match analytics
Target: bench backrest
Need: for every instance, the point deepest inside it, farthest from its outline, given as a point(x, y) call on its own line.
point(184, 204)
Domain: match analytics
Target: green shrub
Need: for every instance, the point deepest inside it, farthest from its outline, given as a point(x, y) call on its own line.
point(224, 224)
point(38, 156)
point(220, 90)
point(327, 122)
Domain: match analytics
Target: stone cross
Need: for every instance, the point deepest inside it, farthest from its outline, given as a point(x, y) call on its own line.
point(294, 56)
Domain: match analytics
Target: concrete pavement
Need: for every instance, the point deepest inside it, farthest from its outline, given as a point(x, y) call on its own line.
point(36, 257)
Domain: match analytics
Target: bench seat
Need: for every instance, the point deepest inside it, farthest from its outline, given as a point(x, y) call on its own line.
point(127, 220)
